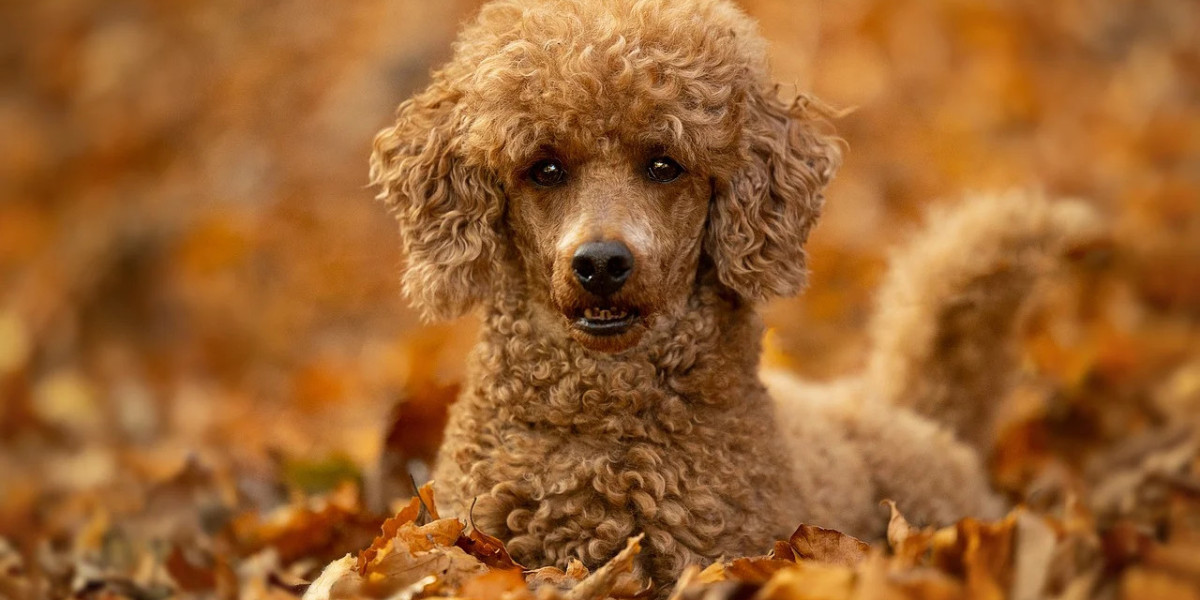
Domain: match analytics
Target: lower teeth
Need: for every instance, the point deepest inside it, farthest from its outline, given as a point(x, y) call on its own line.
point(603, 314)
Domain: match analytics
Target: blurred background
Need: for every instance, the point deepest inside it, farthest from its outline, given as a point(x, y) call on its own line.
point(200, 317)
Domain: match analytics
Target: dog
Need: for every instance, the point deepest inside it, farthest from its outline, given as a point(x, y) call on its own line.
point(617, 185)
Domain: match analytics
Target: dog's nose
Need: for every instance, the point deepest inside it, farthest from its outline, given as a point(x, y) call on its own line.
point(602, 267)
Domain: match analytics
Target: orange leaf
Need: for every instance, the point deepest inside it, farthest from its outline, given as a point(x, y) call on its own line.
point(408, 514)
point(755, 570)
point(496, 584)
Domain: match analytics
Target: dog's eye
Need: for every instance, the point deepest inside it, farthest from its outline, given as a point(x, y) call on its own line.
point(663, 170)
point(548, 173)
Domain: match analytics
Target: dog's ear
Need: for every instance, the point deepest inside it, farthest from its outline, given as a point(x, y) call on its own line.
point(760, 217)
point(448, 210)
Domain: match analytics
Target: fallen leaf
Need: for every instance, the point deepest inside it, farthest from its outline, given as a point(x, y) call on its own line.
point(987, 556)
point(339, 579)
point(389, 528)
point(399, 568)
point(496, 584)
point(826, 545)
point(318, 529)
point(607, 578)
point(181, 566)
point(1143, 584)
point(1035, 545)
point(556, 577)
point(754, 570)
point(488, 550)
point(810, 581)
point(1123, 472)
point(908, 545)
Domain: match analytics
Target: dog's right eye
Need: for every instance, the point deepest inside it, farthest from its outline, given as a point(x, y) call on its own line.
point(548, 173)
point(663, 170)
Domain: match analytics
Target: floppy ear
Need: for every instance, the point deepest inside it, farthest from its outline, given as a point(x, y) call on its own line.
point(761, 216)
point(448, 210)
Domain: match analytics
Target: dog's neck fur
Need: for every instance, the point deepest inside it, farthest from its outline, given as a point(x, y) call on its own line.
point(704, 353)
point(641, 438)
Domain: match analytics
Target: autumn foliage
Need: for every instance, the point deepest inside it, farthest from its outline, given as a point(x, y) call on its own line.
point(210, 385)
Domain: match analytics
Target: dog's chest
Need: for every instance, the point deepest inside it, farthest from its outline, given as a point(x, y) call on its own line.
point(559, 494)
point(566, 458)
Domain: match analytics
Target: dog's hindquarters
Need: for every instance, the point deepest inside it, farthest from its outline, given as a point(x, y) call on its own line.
point(943, 333)
point(851, 452)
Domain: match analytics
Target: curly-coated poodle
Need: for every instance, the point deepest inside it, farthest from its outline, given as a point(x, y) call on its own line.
point(618, 185)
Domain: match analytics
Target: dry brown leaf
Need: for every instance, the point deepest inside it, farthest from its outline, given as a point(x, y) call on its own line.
point(1183, 513)
point(181, 566)
point(920, 584)
point(389, 528)
point(609, 577)
point(507, 584)
point(319, 529)
point(909, 545)
point(395, 570)
point(1035, 546)
point(987, 556)
point(721, 590)
point(878, 579)
point(437, 534)
point(898, 529)
point(1178, 396)
point(810, 581)
point(339, 579)
point(1022, 450)
point(782, 550)
point(1081, 587)
point(556, 577)
point(1123, 472)
point(425, 495)
point(1178, 558)
point(826, 545)
point(712, 573)
point(449, 567)
point(754, 570)
point(687, 579)
point(406, 559)
point(946, 547)
point(488, 550)
point(1125, 543)
point(14, 580)
point(1143, 584)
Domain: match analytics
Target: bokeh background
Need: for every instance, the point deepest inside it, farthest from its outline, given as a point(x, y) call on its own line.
point(199, 296)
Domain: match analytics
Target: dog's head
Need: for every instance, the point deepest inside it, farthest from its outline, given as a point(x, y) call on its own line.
point(619, 148)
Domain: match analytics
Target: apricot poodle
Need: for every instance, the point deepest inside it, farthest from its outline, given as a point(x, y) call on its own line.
point(617, 184)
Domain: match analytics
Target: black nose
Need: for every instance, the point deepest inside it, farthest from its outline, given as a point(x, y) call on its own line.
point(602, 267)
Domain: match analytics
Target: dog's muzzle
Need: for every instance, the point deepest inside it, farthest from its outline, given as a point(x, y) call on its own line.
point(602, 268)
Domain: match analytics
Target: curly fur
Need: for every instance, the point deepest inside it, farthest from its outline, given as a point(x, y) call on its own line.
point(942, 332)
point(565, 444)
point(702, 88)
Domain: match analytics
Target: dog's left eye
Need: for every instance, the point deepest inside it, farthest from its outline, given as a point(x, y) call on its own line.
point(548, 173)
point(663, 170)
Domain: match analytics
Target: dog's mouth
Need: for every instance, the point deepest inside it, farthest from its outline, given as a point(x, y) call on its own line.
point(605, 322)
